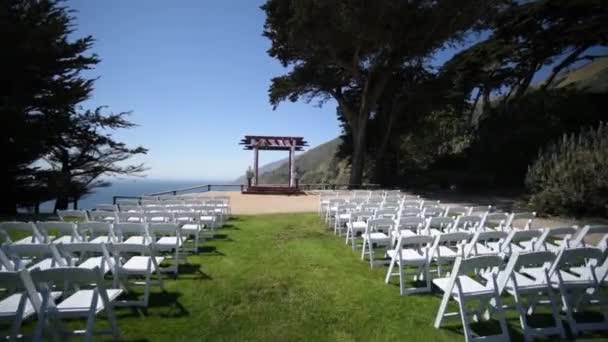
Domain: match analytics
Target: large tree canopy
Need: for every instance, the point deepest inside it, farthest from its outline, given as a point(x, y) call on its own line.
point(349, 50)
point(40, 81)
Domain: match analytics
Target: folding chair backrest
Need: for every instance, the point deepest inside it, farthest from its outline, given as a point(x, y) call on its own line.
point(82, 247)
point(156, 216)
point(125, 230)
point(514, 217)
point(440, 223)
point(177, 208)
point(432, 211)
point(38, 251)
point(411, 223)
point(127, 201)
point(386, 213)
point(163, 229)
point(453, 238)
point(468, 222)
point(347, 207)
point(73, 215)
point(103, 216)
point(479, 210)
point(130, 208)
point(28, 227)
point(579, 256)
point(106, 207)
point(420, 241)
point(130, 216)
point(476, 263)
point(186, 216)
point(587, 231)
point(370, 206)
point(62, 227)
point(149, 202)
point(565, 234)
point(518, 260)
point(131, 248)
point(362, 215)
point(380, 225)
point(67, 277)
point(149, 198)
point(455, 211)
point(412, 204)
point(409, 212)
point(94, 229)
point(495, 220)
point(375, 199)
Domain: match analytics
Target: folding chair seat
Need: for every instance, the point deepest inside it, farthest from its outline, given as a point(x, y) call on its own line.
point(209, 218)
point(38, 236)
point(357, 225)
point(103, 216)
point(485, 243)
point(132, 233)
point(97, 232)
point(167, 237)
point(466, 286)
point(85, 296)
point(73, 215)
point(16, 306)
point(438, 225)
point(106, 207)
point(332, 208)
point(131, 217)
point(36, 256)
point(531, 292)
point(377, 234)
point(136, 260)
point(67, 231)
point(411, 251)
point(447, 247)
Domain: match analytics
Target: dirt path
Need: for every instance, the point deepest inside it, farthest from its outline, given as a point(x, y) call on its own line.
point(267, 204)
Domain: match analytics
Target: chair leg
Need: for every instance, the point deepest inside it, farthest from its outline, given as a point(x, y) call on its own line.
point(371, 253)
point(387, 279)
point(363, 249)
point(401, 280)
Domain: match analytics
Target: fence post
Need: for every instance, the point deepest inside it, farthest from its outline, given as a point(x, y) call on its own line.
point(208, 187)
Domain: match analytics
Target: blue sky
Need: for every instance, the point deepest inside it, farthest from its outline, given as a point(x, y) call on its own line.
point(196, 76)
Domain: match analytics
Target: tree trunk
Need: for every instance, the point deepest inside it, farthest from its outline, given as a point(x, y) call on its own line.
point(61, 203)
point(358, 158)
point(8, 199)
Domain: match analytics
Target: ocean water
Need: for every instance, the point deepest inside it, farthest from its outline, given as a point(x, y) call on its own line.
point(136, 187)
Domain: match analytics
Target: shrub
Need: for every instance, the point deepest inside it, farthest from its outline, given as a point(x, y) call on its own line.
point(570, 176)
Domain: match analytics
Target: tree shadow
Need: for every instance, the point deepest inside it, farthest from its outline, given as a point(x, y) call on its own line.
point(164, 299)
point(224, 237)
point(210, 251)
point(230, 227)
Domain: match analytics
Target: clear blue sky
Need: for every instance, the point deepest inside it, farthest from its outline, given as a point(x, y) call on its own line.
point(196, 76)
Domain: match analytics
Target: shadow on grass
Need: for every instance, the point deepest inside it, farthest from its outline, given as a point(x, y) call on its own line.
point(210, 251)
point(224, 237)
point(163, 299)
point(230, 227)
point(192, 271)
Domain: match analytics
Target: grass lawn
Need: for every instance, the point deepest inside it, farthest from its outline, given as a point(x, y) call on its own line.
point(285, 278)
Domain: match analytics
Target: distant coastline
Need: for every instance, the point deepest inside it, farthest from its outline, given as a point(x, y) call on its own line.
point(132, 187)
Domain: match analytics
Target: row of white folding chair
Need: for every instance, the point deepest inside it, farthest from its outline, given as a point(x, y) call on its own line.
point(121, 259)
point(534, 279)
point(206, 216)
point(37, 294)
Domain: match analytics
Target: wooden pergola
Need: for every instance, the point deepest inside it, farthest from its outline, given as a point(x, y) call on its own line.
point(271, 143)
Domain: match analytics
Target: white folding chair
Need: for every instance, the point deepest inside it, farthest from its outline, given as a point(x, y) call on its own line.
point(132, 233)
point(447, 247)
point(411, 251)
point(130, 208)
point(16, 305)
point(136, 260)
point(342, 216)
point(131, 217)
point(386, 214)
point(455, 211)
point(552, 239)
point(530, 292)
point(494, 221)
point(519, 241)
point(409, 212)
point(85, 296)
point(479, 210)
point(466, 285)
point(356, 225)
point(468, 223)
point(127, 201)
point(527, 218)
point(407, 226)
point(158, 216)
point(67, 231)
point(73, 215)
point(589, 231)
point(167, 238)
point(190, 226)
point(377, 234)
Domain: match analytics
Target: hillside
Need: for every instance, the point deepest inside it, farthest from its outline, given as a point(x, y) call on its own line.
point(592, 77)
point(263, 169)
point(317, 165)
